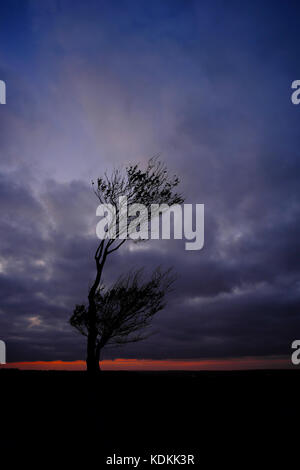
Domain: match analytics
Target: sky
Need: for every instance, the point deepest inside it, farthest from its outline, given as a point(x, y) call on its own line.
point(94, 85)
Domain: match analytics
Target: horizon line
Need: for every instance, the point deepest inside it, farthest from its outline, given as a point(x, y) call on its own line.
point(241, 363)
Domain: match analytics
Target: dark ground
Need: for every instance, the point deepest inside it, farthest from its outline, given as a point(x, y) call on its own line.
point(228, 419)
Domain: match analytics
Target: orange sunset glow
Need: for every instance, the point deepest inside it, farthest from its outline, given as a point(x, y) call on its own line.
point(245, 363)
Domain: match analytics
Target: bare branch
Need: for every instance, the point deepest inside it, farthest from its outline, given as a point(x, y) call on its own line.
point(117, 247)
point(126, 308)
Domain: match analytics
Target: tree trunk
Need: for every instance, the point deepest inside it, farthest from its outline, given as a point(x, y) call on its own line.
point(92, 361)
point(92, 364)
point(93, 355)
point(98, 352)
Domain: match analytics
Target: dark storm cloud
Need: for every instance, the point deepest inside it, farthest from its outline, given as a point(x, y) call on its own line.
point(99, 85)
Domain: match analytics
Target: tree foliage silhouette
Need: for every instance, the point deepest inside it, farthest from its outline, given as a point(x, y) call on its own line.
point(119, 310)
point(124, 311)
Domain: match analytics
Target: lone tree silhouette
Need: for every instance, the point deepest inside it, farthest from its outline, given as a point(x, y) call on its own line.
point(124, 311)
point(117, 315)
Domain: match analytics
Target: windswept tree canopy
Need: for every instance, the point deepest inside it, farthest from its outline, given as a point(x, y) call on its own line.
point(152, 186)
point(126, 308)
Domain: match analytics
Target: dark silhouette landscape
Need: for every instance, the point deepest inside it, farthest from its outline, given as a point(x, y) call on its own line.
point(225, 418)
point(115, 114)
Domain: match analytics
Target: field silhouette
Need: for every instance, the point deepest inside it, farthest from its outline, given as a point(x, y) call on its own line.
point(225, 418)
